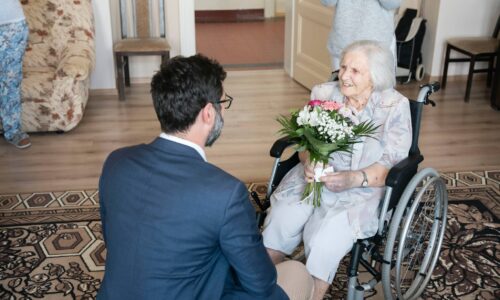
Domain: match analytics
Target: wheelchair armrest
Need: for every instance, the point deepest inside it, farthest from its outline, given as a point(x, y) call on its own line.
point(400, 175)
point(402, 172)
point(279, 146)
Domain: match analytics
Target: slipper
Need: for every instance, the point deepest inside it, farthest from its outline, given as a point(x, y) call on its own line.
point(20, 140)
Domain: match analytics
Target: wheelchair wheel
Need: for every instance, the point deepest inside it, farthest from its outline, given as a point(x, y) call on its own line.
point(415, 236)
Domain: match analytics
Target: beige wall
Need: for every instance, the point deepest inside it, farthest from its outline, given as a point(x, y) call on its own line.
point(455, 18)
point(281, 6)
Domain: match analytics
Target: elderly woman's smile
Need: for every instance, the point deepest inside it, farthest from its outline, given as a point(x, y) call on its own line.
point(355, 77)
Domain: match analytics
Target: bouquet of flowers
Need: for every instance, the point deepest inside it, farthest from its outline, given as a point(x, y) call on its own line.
point(321, 128)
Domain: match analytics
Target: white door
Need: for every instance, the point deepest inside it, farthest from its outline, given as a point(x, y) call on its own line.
point(311, 25)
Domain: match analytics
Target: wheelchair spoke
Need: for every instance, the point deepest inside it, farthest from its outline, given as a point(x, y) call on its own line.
point(415, 248)
point(415, 236)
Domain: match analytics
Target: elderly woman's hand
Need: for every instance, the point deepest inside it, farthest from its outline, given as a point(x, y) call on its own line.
point(309, 170)
point(308, 166)
point(341, 181)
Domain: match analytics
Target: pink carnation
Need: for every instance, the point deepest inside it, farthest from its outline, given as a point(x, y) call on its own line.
point(314, 103)
point(331, 105)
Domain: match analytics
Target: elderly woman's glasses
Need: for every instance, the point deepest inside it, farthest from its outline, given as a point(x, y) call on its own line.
point(227, 100)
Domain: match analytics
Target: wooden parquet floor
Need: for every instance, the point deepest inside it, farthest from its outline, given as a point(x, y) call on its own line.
point(455, 136)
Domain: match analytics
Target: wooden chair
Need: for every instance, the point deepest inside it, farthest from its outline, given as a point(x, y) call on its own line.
point(477, 49)
point(143, 33)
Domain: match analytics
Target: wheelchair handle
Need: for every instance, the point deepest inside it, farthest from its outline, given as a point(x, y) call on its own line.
point(279, 146)
point(426, 90)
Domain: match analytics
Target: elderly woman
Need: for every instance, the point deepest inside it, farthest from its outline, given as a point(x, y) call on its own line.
point(351, 194)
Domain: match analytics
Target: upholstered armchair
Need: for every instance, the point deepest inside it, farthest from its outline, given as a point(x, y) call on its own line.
point(59, 59)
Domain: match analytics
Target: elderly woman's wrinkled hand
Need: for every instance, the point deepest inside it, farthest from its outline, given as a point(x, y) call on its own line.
point(309, 171)
point(339, 181)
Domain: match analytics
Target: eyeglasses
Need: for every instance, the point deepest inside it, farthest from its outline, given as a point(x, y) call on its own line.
point(227, 100)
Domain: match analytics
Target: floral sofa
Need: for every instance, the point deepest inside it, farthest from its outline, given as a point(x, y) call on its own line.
point(59, 59)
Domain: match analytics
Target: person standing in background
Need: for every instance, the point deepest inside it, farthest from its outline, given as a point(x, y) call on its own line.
point(356, 20)
point(13, 40)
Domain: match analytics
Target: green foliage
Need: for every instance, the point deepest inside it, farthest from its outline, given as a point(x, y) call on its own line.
point(319, 146)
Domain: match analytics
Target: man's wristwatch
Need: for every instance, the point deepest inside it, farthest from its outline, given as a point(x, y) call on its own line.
point(364, 183)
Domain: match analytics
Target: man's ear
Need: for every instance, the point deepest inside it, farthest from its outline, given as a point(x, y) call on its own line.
point(208, 113)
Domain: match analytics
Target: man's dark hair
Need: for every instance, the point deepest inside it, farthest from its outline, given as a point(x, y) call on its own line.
point(182, 87)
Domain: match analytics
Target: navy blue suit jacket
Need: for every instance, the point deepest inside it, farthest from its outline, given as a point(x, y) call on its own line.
point(177, 227)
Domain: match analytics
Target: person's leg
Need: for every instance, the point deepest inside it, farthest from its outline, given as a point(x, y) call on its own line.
point(13, 39)
point(295, 280)
point(327, 241)
point(287, 215)
point(283, 228)
point(335, 62)
point(394, 51)
point(320, 289)
point(275, 255)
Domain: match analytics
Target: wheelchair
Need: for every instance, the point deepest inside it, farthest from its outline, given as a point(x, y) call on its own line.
point(412, 219)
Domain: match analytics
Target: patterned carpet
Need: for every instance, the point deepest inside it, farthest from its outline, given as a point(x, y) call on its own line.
point(51, 245)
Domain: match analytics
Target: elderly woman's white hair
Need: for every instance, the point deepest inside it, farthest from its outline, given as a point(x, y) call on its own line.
point(380, 60)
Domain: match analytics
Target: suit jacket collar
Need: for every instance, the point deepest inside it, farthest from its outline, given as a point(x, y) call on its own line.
point(182, 141)
point(178, 149)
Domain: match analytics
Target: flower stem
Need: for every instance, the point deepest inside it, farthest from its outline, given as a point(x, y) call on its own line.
point(313, 190)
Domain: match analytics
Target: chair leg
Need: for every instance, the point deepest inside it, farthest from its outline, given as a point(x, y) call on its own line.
point(119, 77)
point(469, 78)
point(127, 71)
point(445, 70)
point(489, 79)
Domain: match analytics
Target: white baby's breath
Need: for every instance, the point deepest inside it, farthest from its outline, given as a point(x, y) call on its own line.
point(330, 129)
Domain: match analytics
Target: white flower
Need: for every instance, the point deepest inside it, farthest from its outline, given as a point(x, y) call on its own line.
point(303, 117)
point(314, 118)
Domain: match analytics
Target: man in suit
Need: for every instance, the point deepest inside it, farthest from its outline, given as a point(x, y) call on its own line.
point(176, 226)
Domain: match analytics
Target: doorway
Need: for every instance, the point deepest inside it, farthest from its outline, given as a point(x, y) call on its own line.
point(241, 34)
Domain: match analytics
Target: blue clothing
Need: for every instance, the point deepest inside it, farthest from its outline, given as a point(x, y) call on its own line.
point(178, 227)
point(11, 12)
point(13, 39)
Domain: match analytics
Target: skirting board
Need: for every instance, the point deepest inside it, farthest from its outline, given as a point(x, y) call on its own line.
point(462, 77)
point(103, 92)
point(234, 15)
point(114, 92)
